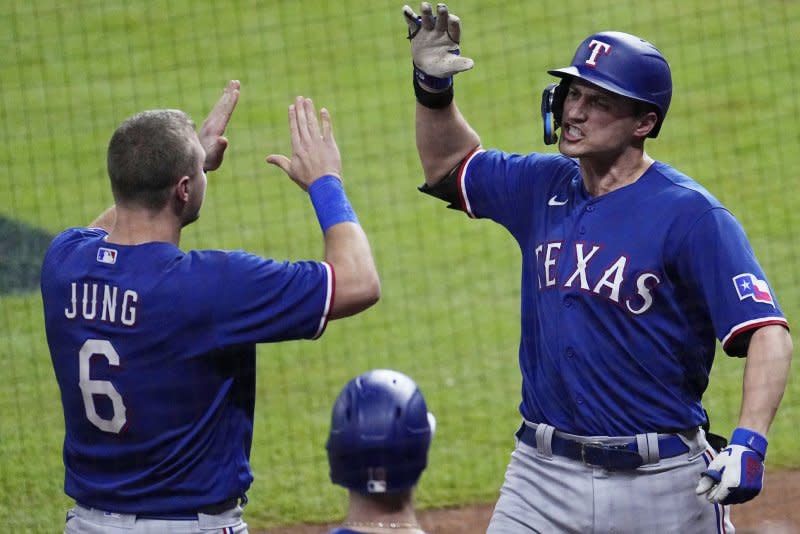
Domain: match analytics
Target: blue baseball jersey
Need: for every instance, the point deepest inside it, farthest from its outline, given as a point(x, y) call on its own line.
point(154, 353)
point(623, 295)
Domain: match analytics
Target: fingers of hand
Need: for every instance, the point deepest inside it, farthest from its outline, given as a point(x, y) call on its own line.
point(412, 20)
point(233, 86)
point(301, 118)
point(427, 16)
point(220, 115)
point(314, 150)
point(454, 28)
point(214, 154)
point(704, 484)
point(718, 493)
point(442, 22)
point(443, 64)
point(441, 18)
point(327, 124)
point(312, 124)
point(294, 130)
point(229, 99)
point(434, 48)
point(725, 481)
point(459, 63)
point(280, 160)
point(710, 482)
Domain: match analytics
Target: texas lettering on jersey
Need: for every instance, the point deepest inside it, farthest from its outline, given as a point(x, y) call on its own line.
point(606, 283)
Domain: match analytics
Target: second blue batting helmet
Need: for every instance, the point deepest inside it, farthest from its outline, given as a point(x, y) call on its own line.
point(623, 64)
point(380, 433)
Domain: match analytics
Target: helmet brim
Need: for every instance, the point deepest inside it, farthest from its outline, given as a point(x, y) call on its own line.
point(599, 81)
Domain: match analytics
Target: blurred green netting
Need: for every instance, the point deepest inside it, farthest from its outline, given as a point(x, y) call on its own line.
point(71, 72)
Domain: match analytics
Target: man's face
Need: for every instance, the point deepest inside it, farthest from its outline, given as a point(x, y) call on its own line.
point(596, 122)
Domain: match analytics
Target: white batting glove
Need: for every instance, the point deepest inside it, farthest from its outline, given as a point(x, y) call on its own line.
point(737, 473)
point(435, 46)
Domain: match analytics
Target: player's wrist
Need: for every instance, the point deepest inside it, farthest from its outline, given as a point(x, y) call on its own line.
point(330, 202)
point(750, 439)
point(431, 97)
point(430, 83)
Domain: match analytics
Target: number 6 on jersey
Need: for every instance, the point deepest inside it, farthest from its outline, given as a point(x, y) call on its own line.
point(90, 387)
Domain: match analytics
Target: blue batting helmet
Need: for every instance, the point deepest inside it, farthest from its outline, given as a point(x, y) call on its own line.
point(623, 64)
point(380, 433)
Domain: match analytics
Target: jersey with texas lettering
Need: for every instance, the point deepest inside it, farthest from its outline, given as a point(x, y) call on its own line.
point(154, 353)
point(623, 294)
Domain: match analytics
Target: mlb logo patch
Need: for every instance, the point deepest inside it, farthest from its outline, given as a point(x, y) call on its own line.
point(107, 255)
point(376, 480)
point(748, 286)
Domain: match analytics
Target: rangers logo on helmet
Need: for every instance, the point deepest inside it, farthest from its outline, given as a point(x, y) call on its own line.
point(597, 47)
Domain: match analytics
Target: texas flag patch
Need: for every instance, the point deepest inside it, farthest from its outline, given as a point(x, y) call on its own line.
point(748, 286)
point(106, 255)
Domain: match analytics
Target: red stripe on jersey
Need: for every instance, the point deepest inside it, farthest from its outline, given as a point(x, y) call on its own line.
point(330, 298)
point(751, 325)
point(462, 170)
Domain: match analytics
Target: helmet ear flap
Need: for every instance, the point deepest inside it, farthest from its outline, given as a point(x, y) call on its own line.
point(553, 109)
point(559, 95)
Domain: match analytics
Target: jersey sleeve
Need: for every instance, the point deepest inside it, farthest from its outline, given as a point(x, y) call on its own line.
point(72, 235)
point(63, 243)
point(504, 187)
point(262, 300)
point(720, 263)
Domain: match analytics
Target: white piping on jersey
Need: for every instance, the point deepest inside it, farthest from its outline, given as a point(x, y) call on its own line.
point(748, 325)
point(328, 299)
point(462, 189)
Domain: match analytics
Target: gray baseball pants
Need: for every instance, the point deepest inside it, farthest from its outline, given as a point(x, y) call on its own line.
point(81, 520)
point(545, 493)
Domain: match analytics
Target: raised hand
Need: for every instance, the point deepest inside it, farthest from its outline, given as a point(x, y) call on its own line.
point(211, 133)
point(314, 150)
point(435, 44)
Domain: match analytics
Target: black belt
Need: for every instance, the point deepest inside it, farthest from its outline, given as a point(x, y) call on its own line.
point(618, 456)
point(213, 509)
point(216, 509)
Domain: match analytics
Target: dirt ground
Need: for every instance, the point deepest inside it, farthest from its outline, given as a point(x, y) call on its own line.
point(775, 511)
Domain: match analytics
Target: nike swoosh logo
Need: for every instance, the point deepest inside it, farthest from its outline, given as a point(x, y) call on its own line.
point(555, 202)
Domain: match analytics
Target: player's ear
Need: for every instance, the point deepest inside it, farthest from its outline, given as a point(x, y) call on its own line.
point(182, 189)
point(645, 124)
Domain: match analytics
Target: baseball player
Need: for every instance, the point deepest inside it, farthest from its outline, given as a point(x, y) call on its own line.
point(630, 270)
point(377, 448)
point(154, 348)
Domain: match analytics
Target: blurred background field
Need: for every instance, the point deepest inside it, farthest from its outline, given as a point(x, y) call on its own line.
point(72, 71)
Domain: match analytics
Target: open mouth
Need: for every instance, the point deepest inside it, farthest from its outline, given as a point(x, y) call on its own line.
point(572, 133)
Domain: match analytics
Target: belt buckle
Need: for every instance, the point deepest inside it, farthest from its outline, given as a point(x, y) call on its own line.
point(592, 446)
point(611, 457)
